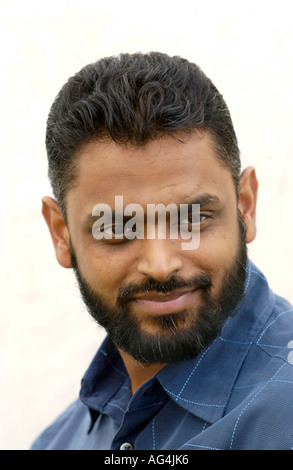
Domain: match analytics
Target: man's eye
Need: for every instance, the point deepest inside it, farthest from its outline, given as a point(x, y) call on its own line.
point(112, 231)
point(194, 219)
point(118, 232)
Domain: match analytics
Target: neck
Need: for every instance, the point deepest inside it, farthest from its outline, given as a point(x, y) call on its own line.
point(138, 372)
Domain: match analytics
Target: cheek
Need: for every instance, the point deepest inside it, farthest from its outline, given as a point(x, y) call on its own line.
point(218, 249)
point(104, 271)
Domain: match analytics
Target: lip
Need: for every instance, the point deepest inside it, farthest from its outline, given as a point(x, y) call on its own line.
point(161, 304)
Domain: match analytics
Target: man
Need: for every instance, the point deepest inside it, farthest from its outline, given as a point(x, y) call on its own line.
point(196, 352)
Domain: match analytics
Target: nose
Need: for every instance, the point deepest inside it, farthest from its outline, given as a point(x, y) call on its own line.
point(159, 259)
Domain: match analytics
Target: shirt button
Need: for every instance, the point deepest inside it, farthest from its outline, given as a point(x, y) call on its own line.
point(126, 446)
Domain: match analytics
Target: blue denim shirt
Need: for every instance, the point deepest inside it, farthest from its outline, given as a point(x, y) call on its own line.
point(237, 394)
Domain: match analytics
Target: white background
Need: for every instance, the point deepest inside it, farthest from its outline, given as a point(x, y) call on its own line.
point(47, 338)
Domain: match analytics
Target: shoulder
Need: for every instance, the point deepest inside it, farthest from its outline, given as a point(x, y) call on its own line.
point(276, 334)
point(59, 435)
point(262, 395)
point(262, 419)
point(269, 360)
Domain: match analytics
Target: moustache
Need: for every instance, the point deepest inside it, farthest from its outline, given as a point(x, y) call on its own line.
point(201, 280)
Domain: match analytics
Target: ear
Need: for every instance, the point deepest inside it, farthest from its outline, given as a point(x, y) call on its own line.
point(58, 230)
point(247, 201)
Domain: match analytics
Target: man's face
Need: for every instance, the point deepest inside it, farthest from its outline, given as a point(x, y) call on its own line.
point(152, 297)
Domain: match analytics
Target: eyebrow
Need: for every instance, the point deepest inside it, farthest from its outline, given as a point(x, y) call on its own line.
point(204, 199)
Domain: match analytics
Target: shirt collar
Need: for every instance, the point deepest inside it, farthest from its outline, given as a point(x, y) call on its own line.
point(104, 377)
point(202, 385)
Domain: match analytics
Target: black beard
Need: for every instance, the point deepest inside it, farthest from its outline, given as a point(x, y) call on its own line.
point(174, 342)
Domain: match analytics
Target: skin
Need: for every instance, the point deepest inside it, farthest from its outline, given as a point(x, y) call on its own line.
point(163, 171)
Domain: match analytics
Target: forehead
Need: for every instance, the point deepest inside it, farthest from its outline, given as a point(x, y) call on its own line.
point(165, 170)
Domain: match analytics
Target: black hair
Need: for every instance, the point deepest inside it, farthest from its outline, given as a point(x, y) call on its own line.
point(132, 99)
